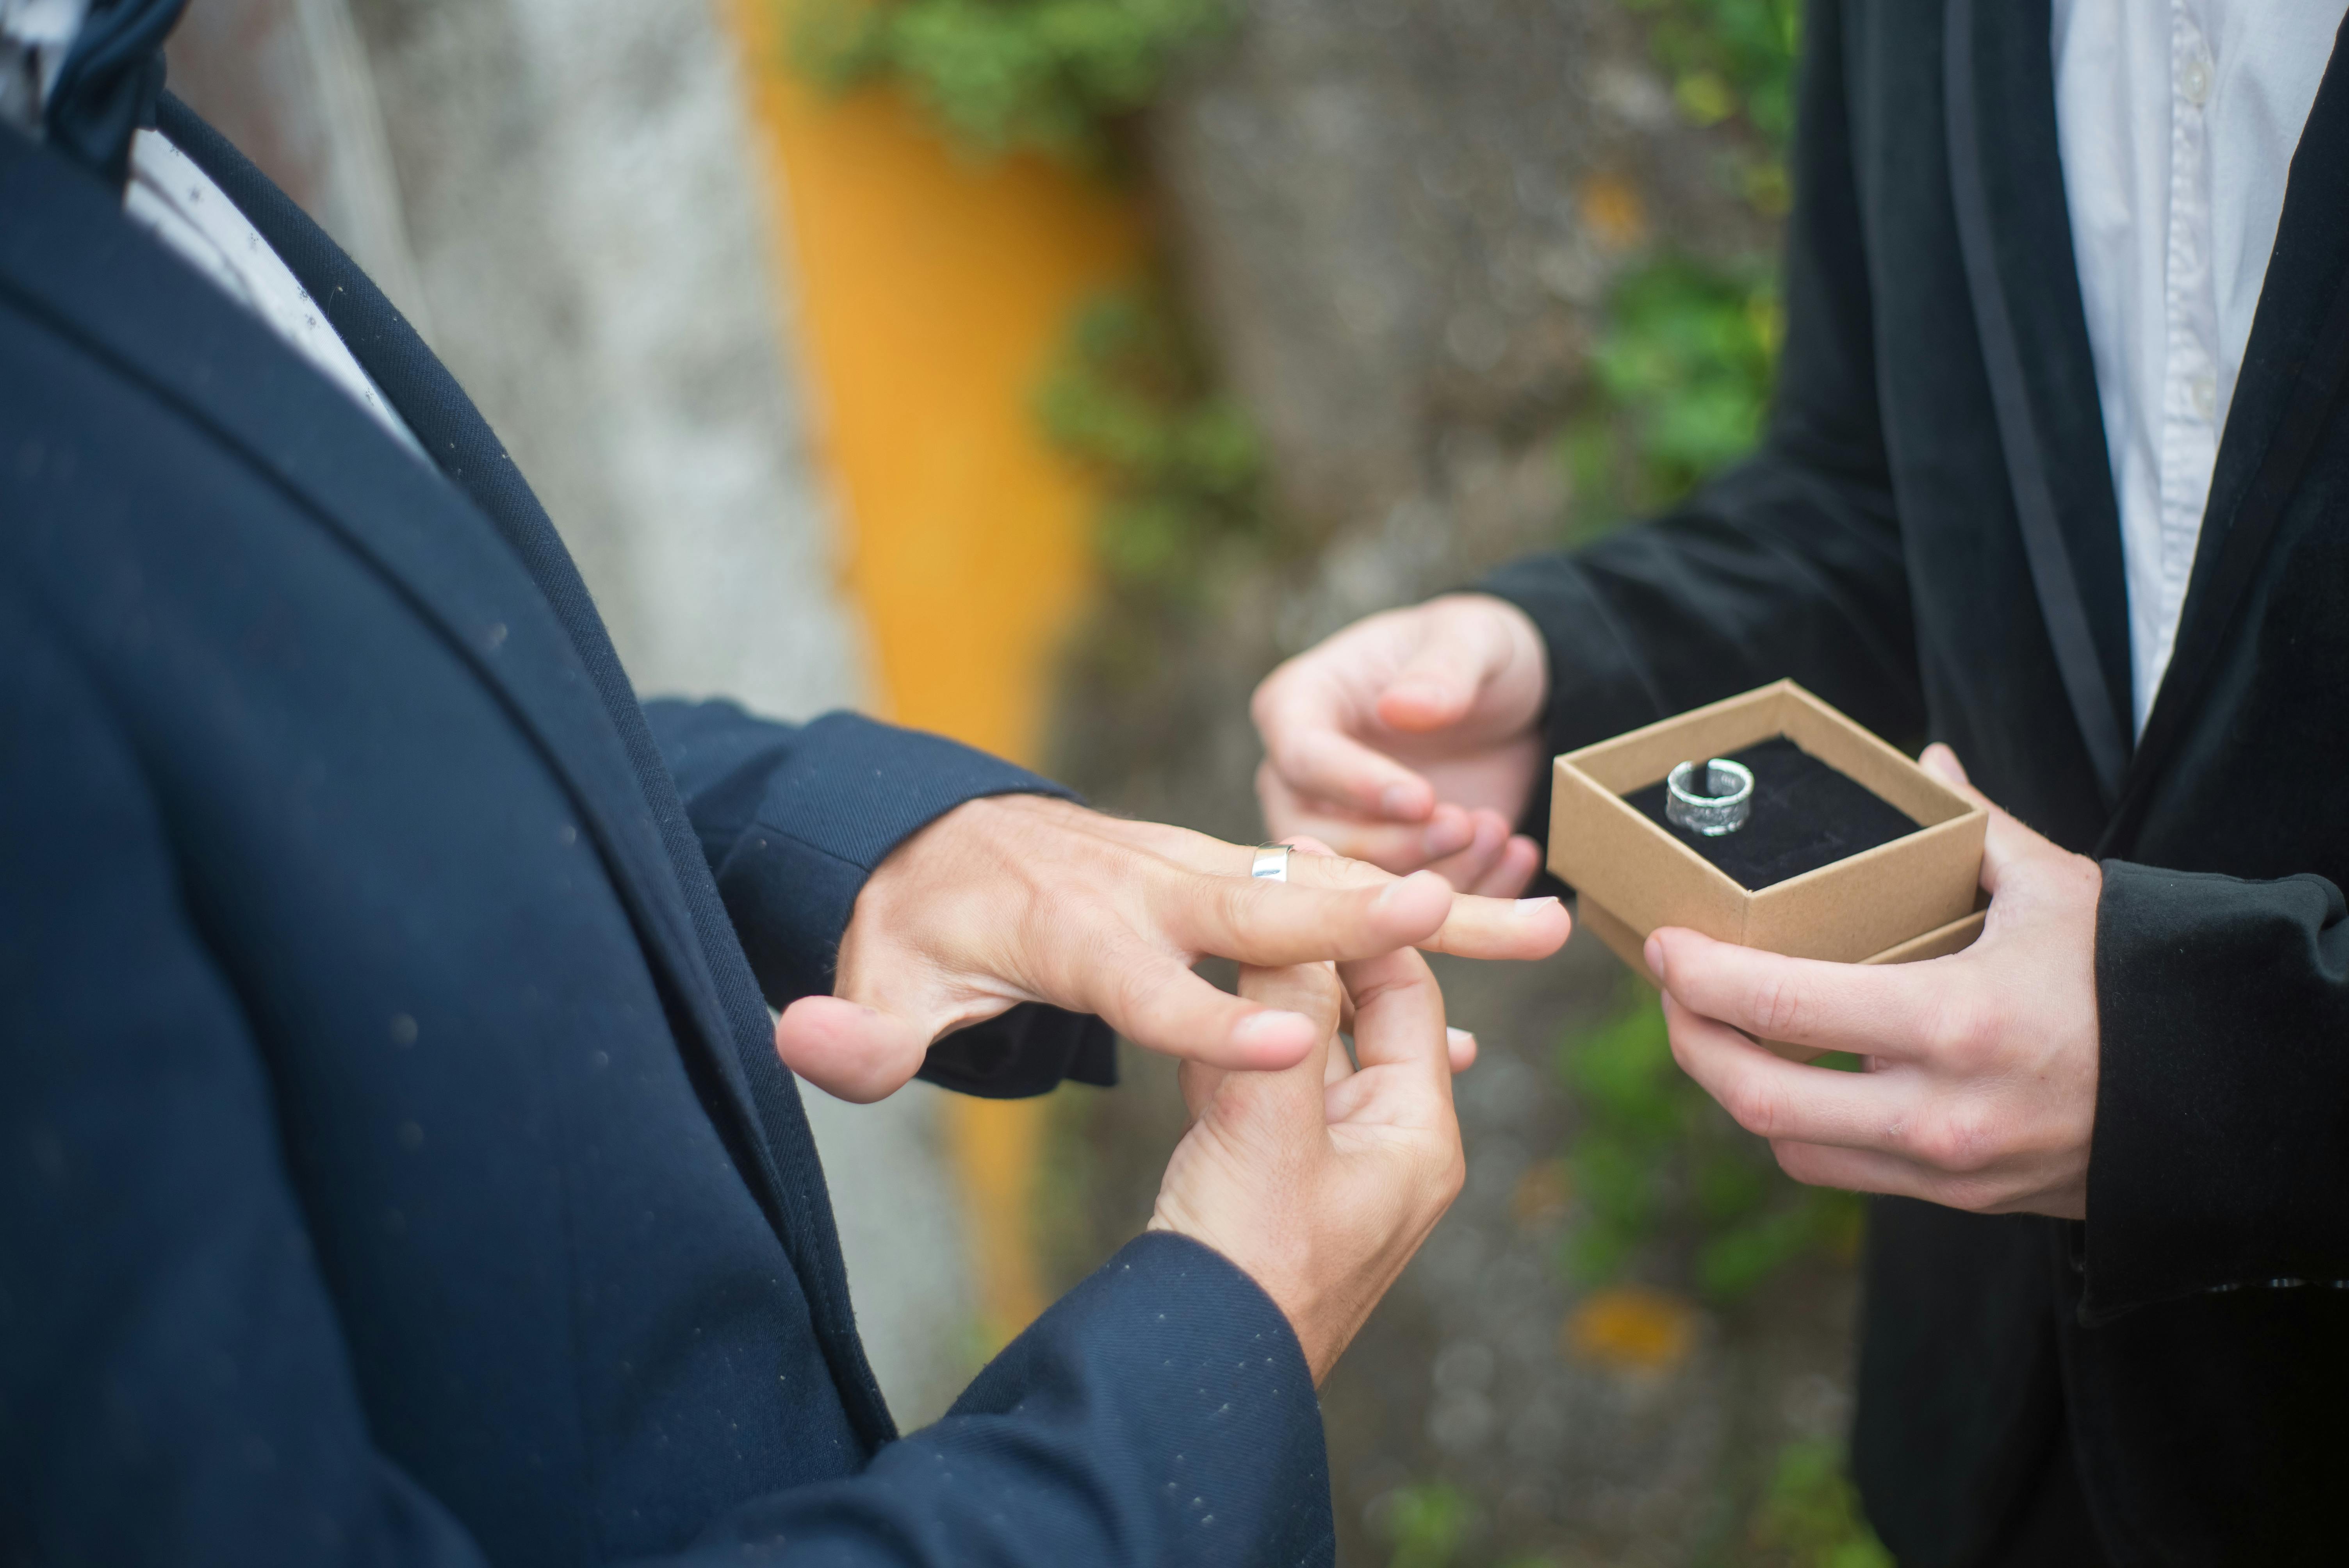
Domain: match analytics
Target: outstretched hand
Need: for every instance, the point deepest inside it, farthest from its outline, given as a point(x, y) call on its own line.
point(1019, 898)
point(1980, 1091)
point(1321, 1180)
point(1411, 739)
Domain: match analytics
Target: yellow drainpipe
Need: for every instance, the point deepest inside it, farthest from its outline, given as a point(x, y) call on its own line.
point(931, 291)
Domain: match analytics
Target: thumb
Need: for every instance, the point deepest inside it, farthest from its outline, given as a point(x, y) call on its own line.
point(1439, 683)
point(2007, 842)
point(1942, 763)
point(1285, 1102)
point(849, 1050)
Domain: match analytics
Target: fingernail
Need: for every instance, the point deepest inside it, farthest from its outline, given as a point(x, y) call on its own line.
point(1459, 1037)
point(1535, 905)
point(1397, 799)
point(1258, 1026)
point(1654, 954)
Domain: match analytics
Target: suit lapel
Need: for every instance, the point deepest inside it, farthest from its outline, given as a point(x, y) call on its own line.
point(2294, 366)
point(2015, 233)
point(82, 268)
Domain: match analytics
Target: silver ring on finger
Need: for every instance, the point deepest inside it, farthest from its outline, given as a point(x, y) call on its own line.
point(1271, 863)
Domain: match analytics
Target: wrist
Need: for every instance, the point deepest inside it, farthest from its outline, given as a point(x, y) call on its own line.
point(1275, 1269)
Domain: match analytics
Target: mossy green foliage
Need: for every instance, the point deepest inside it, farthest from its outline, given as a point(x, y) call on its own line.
point(1732, 61)
point(1131, 396)
point(1809, 1515)
point(1657, 1167)
point(1679, 380)
point(1682, 369)
point(1001, 76)
point(1428, 1524)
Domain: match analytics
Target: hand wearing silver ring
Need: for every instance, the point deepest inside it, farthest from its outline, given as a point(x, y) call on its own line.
point(1726, 799)
point(1271, 863)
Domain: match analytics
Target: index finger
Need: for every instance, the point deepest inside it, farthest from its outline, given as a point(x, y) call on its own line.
point(1363, 914)
point(1882, 1010)
point(1472, 926)
point(1319, 761)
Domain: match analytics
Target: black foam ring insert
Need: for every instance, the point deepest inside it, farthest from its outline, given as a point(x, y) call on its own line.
point(1806, 815)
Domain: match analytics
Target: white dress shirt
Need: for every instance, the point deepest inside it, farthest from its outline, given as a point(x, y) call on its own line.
point(178, 203)
point(2178, 120)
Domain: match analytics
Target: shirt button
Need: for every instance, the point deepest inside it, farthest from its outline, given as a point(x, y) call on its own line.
point(2194, 78)
point(2204, 390)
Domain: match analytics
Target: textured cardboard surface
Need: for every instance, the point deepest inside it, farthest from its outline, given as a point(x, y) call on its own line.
point(1847, 912)
point(1626, 944)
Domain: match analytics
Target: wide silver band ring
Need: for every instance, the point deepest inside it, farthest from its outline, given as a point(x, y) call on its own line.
point(1714, 803)
point(1271, 863)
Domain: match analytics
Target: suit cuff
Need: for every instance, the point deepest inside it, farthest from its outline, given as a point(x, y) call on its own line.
point(1597, 686)
point(1174, 1358)
point(2219, 1158)
point(850, 792)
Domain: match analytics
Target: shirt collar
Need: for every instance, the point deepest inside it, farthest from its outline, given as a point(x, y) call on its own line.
point(35, 35)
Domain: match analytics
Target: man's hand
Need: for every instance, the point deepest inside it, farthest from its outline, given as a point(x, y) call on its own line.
point(1019, 898)
point(1982, 1088)
point(1321, 1181)
point(1411, 739)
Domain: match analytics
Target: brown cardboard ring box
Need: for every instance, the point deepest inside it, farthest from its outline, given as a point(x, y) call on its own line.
point(1915, 898)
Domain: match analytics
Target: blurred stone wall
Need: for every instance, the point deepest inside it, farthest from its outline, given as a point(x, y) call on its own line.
point(1398, 220)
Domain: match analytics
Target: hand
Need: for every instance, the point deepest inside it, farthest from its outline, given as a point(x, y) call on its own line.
point(1412, 739)
point(1019, 898)
point(1980, 1091)
point(1321, 1181)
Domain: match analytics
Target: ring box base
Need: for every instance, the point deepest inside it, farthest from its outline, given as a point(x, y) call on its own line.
point(1912, 897)
point(1626, 944)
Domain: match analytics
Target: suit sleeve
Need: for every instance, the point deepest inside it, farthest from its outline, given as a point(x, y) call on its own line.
point(1159, 1413)
point(175, 1383)
point(795, 818)
point(1788, 564)
point(2222, 1098)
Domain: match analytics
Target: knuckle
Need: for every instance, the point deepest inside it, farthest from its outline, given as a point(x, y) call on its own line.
point(1139, 990)
point(1798, 1160)
point(1229, 902)
point(1964, 1031)
point(1677, 1036)
point(1961, 1138)
point(1264, 702)
point(1971, 1195)
point(1755, 1106)
point(1777, 1007)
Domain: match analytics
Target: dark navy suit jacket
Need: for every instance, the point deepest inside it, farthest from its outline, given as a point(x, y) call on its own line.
point(394, 1162)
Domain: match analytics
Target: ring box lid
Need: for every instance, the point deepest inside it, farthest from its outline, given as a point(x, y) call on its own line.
point(1847, 911)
